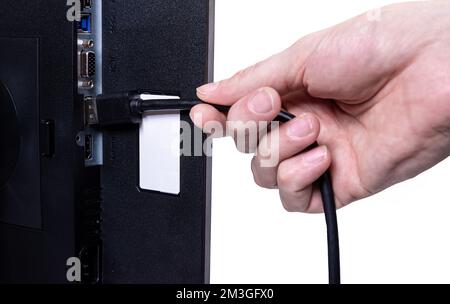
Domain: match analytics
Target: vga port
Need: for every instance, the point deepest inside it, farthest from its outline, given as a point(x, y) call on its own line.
point(87, 64)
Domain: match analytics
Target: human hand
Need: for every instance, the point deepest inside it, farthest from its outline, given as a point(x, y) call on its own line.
point(374, 94)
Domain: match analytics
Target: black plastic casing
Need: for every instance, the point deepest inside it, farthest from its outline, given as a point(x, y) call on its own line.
point(115, 109)
point(122, 233)
point(165, 46)
point(39, 211)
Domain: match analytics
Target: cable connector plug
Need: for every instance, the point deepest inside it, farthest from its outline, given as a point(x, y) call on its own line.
point(111, 109)
point(128, 107)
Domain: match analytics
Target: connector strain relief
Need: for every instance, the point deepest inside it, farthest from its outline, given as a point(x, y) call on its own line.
point(114, 109)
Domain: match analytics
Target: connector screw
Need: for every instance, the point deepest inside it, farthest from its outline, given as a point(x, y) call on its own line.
point(86, 43)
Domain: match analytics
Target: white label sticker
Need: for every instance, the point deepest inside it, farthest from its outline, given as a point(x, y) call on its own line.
point(159, 150)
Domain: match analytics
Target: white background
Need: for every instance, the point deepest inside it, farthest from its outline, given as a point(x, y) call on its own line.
point(399, 236)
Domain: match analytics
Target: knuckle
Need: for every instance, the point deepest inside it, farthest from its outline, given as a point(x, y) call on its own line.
point(288, 205)
point(257, 179)
point(259, 182)
point(245, 146)
point(245, 138)
point(242, 74)
point(255, 171)
point(264, 179)
point(295, 202)
point(286, 177)
point(251, 69)
point(246, 73)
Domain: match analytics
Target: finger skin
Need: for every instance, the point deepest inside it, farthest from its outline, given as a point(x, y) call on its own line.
point(271, 73)
point(245, 119)
point(248, 118)
point(361, 78)
point(262, 105)
point(207, 117)
point(290, 139)
point(283, 72)
point(242, 110)
point(296, 177)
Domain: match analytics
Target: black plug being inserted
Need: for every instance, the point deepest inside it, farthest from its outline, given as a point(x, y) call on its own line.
point(128, 107)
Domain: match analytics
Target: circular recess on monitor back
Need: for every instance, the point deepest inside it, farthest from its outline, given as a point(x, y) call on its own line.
point(9, 135)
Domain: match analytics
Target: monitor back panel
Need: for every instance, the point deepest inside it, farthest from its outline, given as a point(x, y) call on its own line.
point(149, 236)
point(40, 161)
point(48, 197)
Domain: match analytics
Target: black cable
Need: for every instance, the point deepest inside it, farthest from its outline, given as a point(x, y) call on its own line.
point(329, 208)
point(128, 107)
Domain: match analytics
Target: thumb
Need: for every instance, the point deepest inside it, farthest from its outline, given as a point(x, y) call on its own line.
point(282, 72)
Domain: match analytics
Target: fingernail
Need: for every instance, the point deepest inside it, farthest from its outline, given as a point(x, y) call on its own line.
point(197, 119)
point(261, 103)
point(208, 88)
point(317, 155)
point(300, 127)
